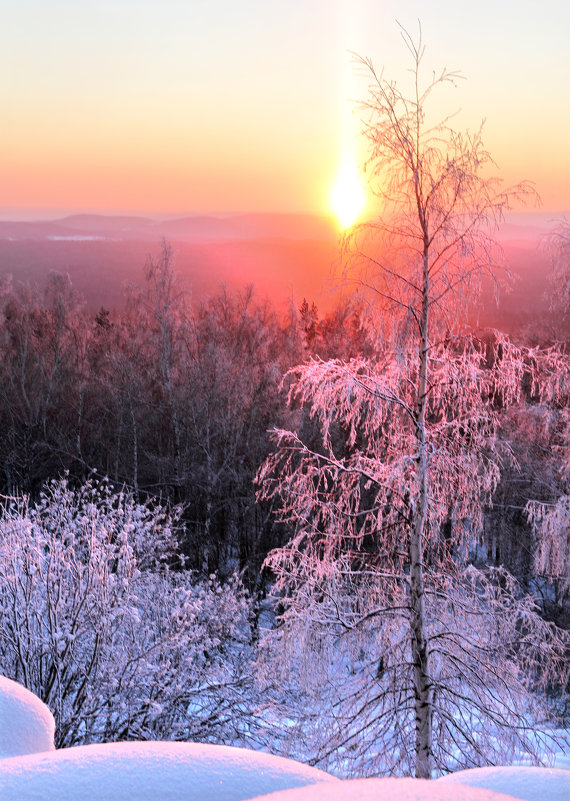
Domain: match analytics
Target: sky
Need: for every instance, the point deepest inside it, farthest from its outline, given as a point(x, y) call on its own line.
point(204, 106)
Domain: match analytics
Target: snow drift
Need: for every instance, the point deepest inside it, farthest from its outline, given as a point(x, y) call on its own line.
point(386, 790)
point(151, 771)
point(31, 770)
point(26, 724)
point(527, 783)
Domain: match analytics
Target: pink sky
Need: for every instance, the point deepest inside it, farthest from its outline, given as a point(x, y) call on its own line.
point(177, 106)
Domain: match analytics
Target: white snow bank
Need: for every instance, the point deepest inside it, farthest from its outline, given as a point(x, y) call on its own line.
point(151, 771)
point(386, 790)
point(26, 724)
point(530, 784)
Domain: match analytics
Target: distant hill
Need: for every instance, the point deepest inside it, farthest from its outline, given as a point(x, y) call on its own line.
point(104, 223)
point(188, 229)
point(251, 226)
point(284, 255)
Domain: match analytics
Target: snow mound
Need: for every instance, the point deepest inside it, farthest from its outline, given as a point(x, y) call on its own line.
point(26, 724)
point(386, 790)
point(530, 784)
point(151, 771)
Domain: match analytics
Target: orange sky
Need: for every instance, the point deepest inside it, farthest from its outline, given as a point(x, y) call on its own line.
point(177, 106)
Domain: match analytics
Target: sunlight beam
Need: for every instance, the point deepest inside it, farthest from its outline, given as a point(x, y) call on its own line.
point(347, 196)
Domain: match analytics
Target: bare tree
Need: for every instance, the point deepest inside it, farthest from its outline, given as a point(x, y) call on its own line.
point(388, 504)
point(558, 244)
point(42, 382)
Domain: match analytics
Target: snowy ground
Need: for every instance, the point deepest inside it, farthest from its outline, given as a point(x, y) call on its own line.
point(531, 784)
point(30, 770)
point(386, 790)
point(151, 771)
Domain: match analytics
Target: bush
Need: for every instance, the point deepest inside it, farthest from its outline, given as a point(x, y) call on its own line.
point(99, 620)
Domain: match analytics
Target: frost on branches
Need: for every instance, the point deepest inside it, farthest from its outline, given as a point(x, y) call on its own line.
point(344, 578)
point(558, 244)
point(98, 620)
point(550, 519)
point(424, 662)
point(552, 522)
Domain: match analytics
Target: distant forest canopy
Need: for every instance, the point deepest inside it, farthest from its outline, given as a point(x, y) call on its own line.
point(174, 398)
point(280, 254)
point(283, 255)
point(167, 396)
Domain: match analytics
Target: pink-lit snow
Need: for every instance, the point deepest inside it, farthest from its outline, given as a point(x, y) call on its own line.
point(26, 724)
point(530, 784)
point(386, 790)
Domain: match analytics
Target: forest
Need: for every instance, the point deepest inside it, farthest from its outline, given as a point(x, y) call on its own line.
point(157, 417)
point(341, 537)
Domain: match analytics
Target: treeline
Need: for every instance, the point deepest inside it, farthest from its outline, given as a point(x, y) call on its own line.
point(171, 399)
point(174, 400)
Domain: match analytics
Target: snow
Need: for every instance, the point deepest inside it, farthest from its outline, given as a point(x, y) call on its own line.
point(386, 790)
point(26, 724)
point(529, 784)
point(31, 770)
point(151, 771)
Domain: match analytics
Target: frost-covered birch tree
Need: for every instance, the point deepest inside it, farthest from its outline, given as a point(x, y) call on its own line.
point(427, 663)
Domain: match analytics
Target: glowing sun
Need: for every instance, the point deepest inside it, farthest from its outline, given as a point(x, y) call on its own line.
point(347, 196)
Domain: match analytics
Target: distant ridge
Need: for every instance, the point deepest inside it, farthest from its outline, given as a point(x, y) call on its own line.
point(191, 228)
point(250, 226)
point(286, 256)
point(280, 254)
point(104, 222)
point(202, 228)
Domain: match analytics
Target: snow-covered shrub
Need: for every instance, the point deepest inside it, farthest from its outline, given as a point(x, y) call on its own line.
point(98, 618)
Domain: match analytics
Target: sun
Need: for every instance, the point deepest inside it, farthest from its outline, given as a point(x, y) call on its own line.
point(347, 196)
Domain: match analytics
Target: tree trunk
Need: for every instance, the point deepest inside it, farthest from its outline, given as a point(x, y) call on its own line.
point(419, 638)
point(420, 654)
